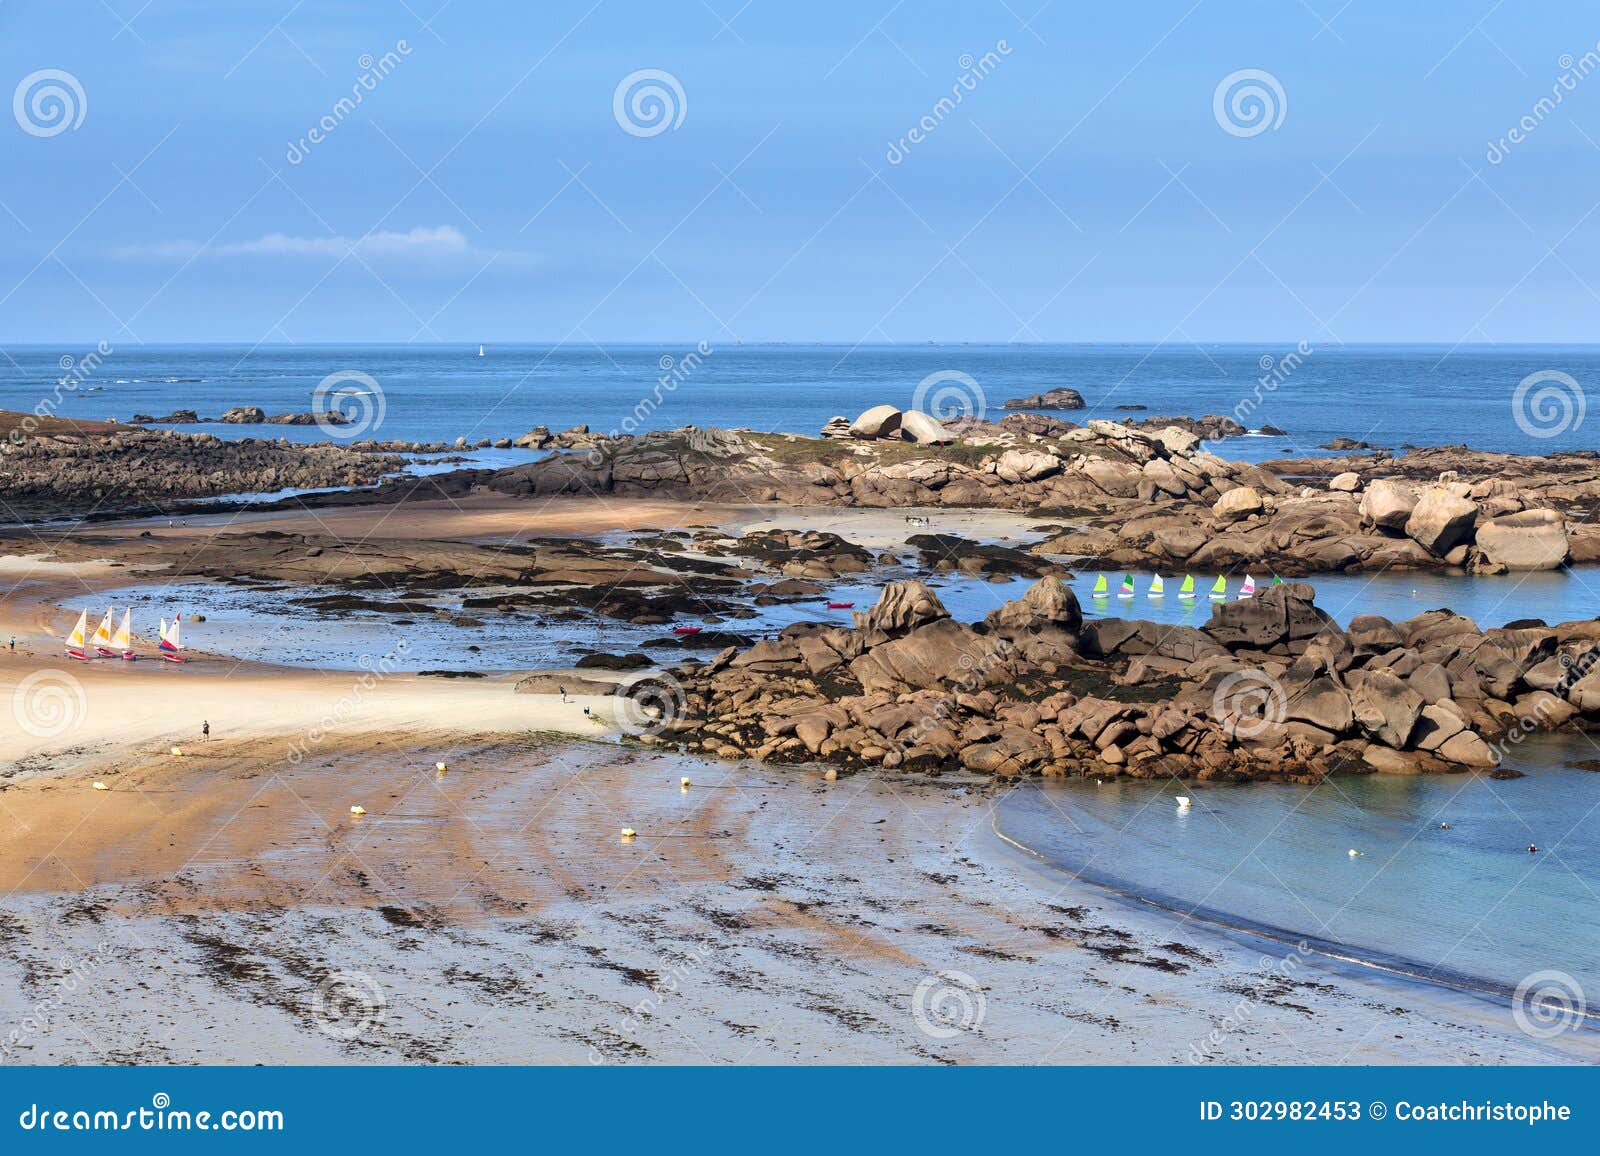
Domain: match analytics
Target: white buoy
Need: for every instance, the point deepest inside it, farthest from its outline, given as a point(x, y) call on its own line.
point(628, 832)
point(1184, 802)
point(99, 786)
point(1354, 854)
point(684, 782)
point(358, 809)
point(440, 767)
point(177, 750)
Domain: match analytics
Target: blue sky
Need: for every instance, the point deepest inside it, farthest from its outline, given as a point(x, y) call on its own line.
point(1083, 189)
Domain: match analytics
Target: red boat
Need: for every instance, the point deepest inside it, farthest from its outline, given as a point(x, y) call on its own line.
point(686, 630)
point(840, 605)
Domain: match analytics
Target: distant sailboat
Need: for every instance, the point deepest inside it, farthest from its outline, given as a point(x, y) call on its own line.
point(1156, 587)
point(1102, 589)
point(1126, 589)
point(480, 351)
point(1219, 588)
point(1187, 589)
point(171, 644)
point(1248, 590)
point(75, 639)
point(123, 640)
point(102, 637)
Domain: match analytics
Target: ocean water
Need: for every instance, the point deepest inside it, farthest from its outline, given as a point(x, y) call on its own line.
point(1386, 394)
point(1467, 904)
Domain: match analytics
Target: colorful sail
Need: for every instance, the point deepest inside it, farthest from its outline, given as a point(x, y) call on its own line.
point(1187, 589)
point(102, 634)
point(1219, 588)
point(169, 635)
point(1101, 587)
point(1126, 589)
point(1157, 589)
point(123, 639)
point(75, 639)
point(1248, 590)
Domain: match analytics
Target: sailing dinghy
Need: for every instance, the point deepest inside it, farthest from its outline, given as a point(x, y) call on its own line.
point(75, 639)
point(1156, 587)
point(1187, 589)
point(123, 640)
point(1219, 588)
point(171, 645)
point(1102, 588)
point(1126, 589)
point(102, 637)
point(1248, 590)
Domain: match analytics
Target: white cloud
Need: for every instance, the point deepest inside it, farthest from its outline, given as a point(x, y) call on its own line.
point(421, 243)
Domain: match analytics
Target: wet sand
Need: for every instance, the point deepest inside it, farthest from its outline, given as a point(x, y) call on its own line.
point(203, 910)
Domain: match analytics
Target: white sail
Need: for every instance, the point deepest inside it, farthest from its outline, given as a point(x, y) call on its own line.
point(102, 633)
point(1157, 588)
point(124, 636)
point(75, 639)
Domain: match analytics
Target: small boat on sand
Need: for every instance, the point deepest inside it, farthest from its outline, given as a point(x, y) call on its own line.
point(171, 645)
point(686, 630)
point(840, 605)
point(102, 637)
point(123, 639)
point(75, 639)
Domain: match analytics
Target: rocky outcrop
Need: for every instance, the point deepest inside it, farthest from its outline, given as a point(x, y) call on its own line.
point(1269, 688)
point(243, 415)
point(1059, 398)
point(1528, 540)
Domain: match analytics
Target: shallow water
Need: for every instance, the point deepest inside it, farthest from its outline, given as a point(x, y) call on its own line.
point(1467, 904)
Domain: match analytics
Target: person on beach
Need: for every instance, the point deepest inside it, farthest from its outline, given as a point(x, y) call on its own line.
point(205, 728)
point(563, 693)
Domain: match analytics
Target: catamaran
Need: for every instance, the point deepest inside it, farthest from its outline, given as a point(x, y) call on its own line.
point(1102, 588)
point(171, 646)
point(75, 639)
point(1187, 589)
point(1219, 588)
point(1126, 589)
point(1156, 587)
point(1248, 590)
point(123, 640)
point(102, 637)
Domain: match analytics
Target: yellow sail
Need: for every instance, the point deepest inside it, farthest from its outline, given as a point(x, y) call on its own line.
point(124, 636)
point(102, 633)
point(75, 639)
